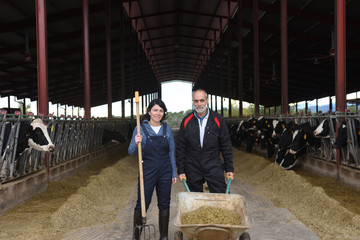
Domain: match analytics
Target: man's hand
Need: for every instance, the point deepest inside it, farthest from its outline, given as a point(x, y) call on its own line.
point(181, 176)
point(229, 174)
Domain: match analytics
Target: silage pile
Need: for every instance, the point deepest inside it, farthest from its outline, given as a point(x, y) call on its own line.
point(310, 204)
point(101, 200)
point(93, 195)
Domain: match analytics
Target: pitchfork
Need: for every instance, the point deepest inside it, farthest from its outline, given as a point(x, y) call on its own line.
point(148, 231)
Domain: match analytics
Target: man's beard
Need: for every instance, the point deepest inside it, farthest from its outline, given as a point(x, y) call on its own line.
point(200, 109)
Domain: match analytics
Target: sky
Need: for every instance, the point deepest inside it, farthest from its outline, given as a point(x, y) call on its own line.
point(175, 94)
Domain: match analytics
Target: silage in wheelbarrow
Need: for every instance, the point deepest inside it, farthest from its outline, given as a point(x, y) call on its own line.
point(189, 201)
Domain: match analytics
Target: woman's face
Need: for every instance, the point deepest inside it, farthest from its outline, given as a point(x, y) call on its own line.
point(156, 113)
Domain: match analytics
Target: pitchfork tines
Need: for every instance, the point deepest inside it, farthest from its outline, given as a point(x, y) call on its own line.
point(146, 232)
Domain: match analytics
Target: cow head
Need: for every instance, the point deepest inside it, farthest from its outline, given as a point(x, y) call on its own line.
point(39, 137)
point(323, 130)
point(303, 134)
point(278, 127)
point(287, 135)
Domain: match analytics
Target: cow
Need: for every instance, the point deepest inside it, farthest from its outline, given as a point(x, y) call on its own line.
point(245, 132)
point(32, 135)
point(251, 130)
point(324, 128)
point(342, 138)
point(241, 133)
point(112, 136)
point(302, 135)
point(285, 142)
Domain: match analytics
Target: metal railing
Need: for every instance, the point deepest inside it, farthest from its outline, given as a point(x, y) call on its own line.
point(72, 138)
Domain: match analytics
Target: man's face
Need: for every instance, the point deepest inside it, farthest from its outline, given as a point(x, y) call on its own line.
point(200, 101)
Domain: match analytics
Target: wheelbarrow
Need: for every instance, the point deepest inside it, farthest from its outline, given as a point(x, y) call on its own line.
point(190, 201)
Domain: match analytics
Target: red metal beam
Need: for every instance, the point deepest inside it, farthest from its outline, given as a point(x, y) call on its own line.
point(42, 70)
point(229, 59)
point(108, 57)
point(340, 65)
point(340, 55)
point(240, 57)
point(256, 58)
point(284, 60)
point(122, 64)
point(86, 53)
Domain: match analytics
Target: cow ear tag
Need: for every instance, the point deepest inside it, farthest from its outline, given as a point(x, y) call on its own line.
point(305, 136)
point(268, 125)
point(359, 132)
point(283, 126)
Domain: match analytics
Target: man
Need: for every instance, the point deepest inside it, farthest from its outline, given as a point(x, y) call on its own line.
point(203, 135)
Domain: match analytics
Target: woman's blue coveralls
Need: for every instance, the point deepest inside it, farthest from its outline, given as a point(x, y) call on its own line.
point(156, 170)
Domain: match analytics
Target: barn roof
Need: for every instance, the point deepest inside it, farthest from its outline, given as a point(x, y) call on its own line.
point(176, 40)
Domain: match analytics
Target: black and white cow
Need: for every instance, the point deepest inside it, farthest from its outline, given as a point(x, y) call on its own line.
point(302, 135)
point(323, 129)
point(30, 135)
point(285, 142)
point(112, 136)
point(342, 138)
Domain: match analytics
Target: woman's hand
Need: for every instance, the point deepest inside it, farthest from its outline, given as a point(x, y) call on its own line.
point(138, 139)
point(173, 180)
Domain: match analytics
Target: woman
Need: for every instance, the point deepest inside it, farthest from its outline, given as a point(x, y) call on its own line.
point(157, 143)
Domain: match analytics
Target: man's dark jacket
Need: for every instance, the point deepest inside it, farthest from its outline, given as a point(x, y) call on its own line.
point(192, 159)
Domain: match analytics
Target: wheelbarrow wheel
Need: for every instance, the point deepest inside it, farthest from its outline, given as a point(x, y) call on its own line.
point(178, 235)
point(245, 236)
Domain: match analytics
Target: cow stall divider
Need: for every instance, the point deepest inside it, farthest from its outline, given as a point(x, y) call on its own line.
point(72, 137)
point(350, 151)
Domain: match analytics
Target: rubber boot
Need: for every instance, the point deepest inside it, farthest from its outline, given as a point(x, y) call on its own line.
point(137, 222)
point(164, 223)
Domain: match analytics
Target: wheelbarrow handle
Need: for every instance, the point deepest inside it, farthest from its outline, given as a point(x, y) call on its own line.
point(228, 185)
point(185, 184)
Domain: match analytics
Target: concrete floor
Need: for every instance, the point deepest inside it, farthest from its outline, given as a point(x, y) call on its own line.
point(270, 222)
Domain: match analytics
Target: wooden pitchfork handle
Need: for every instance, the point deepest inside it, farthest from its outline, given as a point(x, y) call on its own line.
point(142, 195)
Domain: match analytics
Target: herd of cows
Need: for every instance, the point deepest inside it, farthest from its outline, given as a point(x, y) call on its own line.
point(287, 138)
point(290, 138)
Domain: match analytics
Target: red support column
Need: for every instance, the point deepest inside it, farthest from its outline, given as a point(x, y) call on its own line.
point(42, 69)
point(340, 56)
point(240, 58)
point(87, 103)
point(122, 60)
point(340, 64)
point(256, 58)
point(229, 59)
point(284, 60)
point(108, 57)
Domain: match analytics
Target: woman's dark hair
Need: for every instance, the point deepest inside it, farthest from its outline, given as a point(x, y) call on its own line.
point(154, 102)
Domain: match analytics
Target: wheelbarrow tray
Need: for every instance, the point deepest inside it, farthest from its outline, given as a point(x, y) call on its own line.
point(189, 201)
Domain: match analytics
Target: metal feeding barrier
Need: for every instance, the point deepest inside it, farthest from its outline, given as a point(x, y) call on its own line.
point(71, 136)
